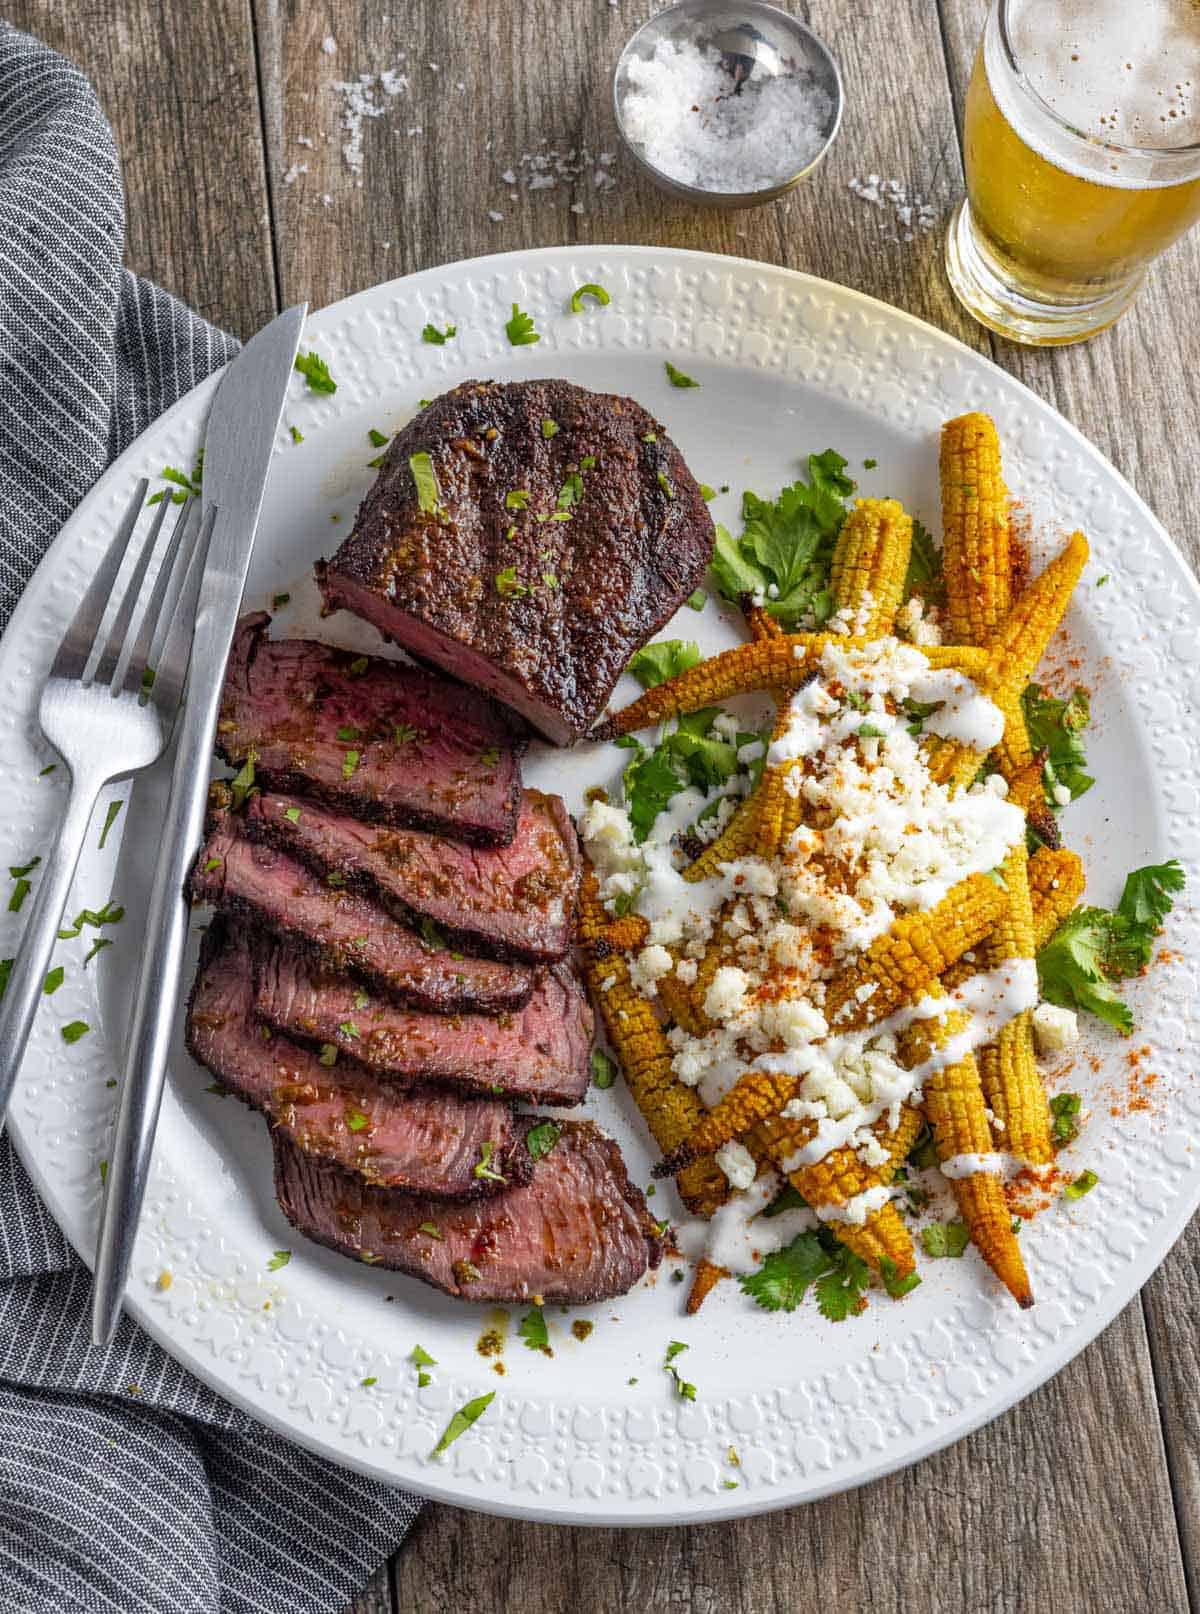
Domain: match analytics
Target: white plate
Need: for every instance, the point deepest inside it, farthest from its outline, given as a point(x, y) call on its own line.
point(789, 365)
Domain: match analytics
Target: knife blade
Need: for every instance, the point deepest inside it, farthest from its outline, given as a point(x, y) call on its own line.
point(238, 446)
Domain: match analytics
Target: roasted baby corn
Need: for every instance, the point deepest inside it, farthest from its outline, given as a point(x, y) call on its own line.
point(899, 966)
point(1012, 1085)
point(1028, 628)
point(752, 1098)
point(954, 1107)
point(1056, 882)
point(734, 841)
point(870, 560)
point(975, 529)
point(671, 1110)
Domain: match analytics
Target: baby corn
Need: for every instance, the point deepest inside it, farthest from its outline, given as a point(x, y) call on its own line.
point(1028, 628)
point(870, 560)
point(751, 1099)
point(734, 841)
point(1056, 882)
point(899, 966)
point(975, 529)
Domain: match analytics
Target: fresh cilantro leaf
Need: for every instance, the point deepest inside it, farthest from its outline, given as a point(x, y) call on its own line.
point(1147, 897)
point(532, 1329)
point(516, 499)
point(74, 1030)
point(945, 1239)
point(316, 372)
point(425, 478)
point(507, 585)
point(654, 663)
point(242, 782)
point(782, 1281)
point(1083, 1184)
point(279, 1259)
point(110, 818)
point(677, 377)
point(349, 763)
point(650, 782)
point(356, 1119)
point(421, 1357)
point(97, 946)
point(484, 1168)
point(570, 493)
point(706, 492)
point(377, 439)
point(540, 1139)
point(550, 428)
point(297, 434)
point(430, 333)
point(684, 1390)
point(367, 1383)
point(466, 1415)
point(696, 600)
point(54, 979)
point(1054, 726)
point(604, 1072)
point(292, 814)
point(1064, 1112)
point(423, 1379)
point(840, 1292)
point(895, 1285)
point(690, 754)
point(19, 870)
point(598, 293)
point(519, 329)
point(924, 575)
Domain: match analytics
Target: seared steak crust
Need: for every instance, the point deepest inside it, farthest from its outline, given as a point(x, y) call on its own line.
point(424, 1140)
point(515, 901)
point(377, 738)
point(541, 1052)
point(577, 1231)
point(345, 930)
point(543, 613)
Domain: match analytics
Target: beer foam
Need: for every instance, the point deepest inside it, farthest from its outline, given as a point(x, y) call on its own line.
point(1120, 71)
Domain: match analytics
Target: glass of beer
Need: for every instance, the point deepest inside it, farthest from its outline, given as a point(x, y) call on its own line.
point(1081, 144)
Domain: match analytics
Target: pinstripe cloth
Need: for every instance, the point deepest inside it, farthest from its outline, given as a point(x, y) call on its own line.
point(169, 1501)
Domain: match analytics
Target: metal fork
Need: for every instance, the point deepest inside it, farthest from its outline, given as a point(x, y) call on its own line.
point(108, 707)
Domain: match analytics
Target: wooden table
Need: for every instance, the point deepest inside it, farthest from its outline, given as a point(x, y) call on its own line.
point(1087, 1496)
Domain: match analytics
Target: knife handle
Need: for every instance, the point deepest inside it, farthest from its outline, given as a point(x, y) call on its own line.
point(154, 1008)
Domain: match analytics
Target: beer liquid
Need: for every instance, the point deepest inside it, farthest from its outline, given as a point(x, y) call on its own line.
point(1066, 216)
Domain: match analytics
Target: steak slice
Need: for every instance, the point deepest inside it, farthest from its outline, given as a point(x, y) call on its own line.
point(425, 1141)
point(544, 613)
point(345, 930)
point(540, 1052)
point(379, 739)
point(577, 1231)
point(517, 901)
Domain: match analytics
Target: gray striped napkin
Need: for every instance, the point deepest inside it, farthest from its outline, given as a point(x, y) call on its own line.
point(166, 1500)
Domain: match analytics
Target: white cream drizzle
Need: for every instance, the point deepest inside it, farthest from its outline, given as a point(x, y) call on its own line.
point(739, 1236)
point(856, 1209)
point(972, 1165)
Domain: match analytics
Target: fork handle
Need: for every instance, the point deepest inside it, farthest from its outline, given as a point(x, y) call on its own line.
point(19, 1005)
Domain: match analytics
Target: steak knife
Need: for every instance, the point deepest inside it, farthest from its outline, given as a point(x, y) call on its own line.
point(238, 445)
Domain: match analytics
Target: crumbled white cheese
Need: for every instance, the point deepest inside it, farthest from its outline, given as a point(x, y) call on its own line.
point(1053, 1028)
point(649, 967)
point(736, 1161)
point(726, 994)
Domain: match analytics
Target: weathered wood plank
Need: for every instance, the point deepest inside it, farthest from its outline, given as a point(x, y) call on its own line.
point(376, 1595)
point(179, 86)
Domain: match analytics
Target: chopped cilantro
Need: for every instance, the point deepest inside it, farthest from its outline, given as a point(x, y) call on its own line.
point(103, 1173)
point(431, 937)
point(516, 499)
point(6, 966)
point(598, 293)
point(707, 493)
point(840, 1292)
point(425, 480)
point(279, 1259)
point(430, 333)
point(783, 555)
point(519, 329)
point(1083, 1184)
point(895, 1285)
point(1100, 581)
point(684, 1390)
point(358, 666)
point(1093, 947)
point(540, 1139)
point(54, 979)
point(870, 731)
point(423, 1379)
point(20, 870)
point(242, 782)
point(367, 1383)
point(588, 462)
point(665, 485)
point(466, 1415)
point(532, 1329)
point(869, 465)
point(550, 428)
point(20, 891)
point(570, 493)
point(110, 914)
point(278, 601)
point(690, 754)
point(297, 434)
point(654, 663)
point(1054, 726)
point(74, 1030)
point(357, 1120)
point(328, 1055)
point(376, 438)
point(99, 943)
point(110, 818)
point(316, 372)
point(697, 600)
point(508, 586)
point(292, 814)
point(1064, 1112)
point(813, 1258)
point(432, 1229)
point(346, 732)
point(945, 1239)
point(677, 378)
point(349, 763)
point(49, 768)
point(484, 1168)
point(604, 1072)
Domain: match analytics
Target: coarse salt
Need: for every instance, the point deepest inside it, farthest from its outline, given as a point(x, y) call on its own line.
point(694, 123)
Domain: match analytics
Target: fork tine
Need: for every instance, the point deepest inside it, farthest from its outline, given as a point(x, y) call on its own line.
point(109, 661)
point(173, 659)
point(79, 639)
point(161, 603)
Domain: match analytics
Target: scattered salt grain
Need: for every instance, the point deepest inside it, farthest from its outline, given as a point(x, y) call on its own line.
point(496, 218)
point(904, 212)
point(329, 45)
point(692, 122)
point(304, 140)
point(294, 172)
point(359, 103)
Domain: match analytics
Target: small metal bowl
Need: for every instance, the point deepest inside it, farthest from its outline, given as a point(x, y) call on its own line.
point(756, 41)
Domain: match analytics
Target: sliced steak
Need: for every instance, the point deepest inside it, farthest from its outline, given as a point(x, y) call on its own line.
point(517, 901)
point(578, 1231)
point(540, 1052)
point(345, 930)
point(425, 1141)
point(543, 612)
point(384, 741)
